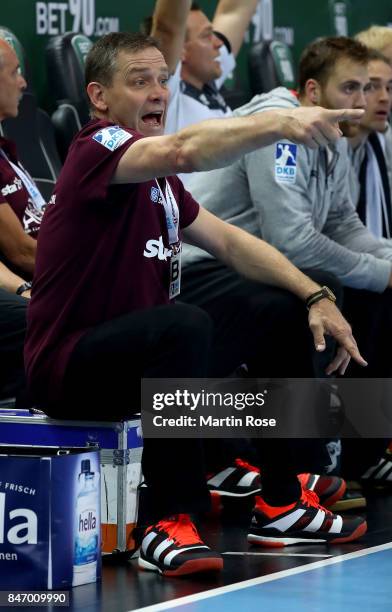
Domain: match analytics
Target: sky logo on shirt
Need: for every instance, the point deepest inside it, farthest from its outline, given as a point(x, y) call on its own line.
point(12, 188)
point(285, 162)
point(156, 248)
point(112, 137)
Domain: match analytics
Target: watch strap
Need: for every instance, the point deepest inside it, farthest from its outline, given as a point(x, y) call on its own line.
point(324, 292)
point(23, 287)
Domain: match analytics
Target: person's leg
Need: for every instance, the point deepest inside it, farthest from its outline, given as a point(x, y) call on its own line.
point(370, 316)
point(12, 334)
point(253, 322)
point(250, 322)
point(267, 328)
point(102, 382)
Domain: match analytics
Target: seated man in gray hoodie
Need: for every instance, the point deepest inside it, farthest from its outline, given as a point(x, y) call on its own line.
point(299, 201)
point(192, 47)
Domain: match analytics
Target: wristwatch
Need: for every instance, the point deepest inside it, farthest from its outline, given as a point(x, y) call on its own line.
point(324, 292)
point(24, 287)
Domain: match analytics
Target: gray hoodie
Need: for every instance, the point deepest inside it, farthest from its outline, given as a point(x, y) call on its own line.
point(297, 199)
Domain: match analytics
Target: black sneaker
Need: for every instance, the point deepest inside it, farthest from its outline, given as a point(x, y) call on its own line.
point(380, 475)
point(329, 489)
point(173, 547)
point(238, 480)
point(304, 521)
point(351, 500)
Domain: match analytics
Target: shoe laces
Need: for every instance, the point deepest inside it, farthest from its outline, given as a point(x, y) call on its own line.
point(311, 499)
point(303, 478)
point(180, 529)
point(247, 466)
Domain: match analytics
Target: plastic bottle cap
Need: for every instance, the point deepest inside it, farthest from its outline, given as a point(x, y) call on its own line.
point(85, 466)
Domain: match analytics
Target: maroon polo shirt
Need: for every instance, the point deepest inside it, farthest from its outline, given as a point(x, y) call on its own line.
point(103, 251)
point(14, 193)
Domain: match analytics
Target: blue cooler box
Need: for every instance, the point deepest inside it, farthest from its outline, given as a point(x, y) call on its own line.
point(120, 445)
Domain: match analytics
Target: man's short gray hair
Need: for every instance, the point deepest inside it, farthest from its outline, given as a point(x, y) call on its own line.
point(101, 60)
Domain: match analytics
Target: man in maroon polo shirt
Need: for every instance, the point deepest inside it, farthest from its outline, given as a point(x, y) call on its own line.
point(19, 224)
point(21, 204)
point(108, 269)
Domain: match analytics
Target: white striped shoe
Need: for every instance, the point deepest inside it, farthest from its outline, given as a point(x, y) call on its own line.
point(304, 521)
point(174, 548)
point(238, 480)
point(380, 475)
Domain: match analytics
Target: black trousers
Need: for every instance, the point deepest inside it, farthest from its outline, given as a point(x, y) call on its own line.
point(12, 334)
point(263, 325)
point(370, 315)
point(267, 328)
point(102, 382)
point(103, 379)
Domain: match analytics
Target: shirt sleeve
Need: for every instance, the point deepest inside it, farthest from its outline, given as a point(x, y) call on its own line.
point(94, 160)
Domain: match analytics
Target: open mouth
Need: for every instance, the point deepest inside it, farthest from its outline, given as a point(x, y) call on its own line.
point(153, 119)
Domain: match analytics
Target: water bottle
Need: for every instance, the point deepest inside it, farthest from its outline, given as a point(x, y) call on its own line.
point(87, 526)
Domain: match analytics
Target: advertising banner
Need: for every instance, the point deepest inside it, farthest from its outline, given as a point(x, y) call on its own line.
point(49, 518)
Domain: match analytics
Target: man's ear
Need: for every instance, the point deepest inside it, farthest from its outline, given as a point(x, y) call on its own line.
point(184, 53)
point(313, 91)
point(96, 93)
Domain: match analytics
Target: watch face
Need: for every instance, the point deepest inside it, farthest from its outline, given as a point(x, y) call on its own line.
point(328, 293)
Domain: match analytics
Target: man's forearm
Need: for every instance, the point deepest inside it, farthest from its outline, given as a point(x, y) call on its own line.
point(219, 142)
point(24, 257)
point(9, 280)
point(215, 143)
point(232, 18)
point(204, 146)
point(259, 261)
point(169, 27)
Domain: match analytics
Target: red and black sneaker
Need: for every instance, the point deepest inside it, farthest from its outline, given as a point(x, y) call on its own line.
point(329, 489)
point(304, 521)
point(173, 547)
point(239, 480)
point(380, 475)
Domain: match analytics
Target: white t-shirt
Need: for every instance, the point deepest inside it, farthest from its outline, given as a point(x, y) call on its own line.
point(188, 105)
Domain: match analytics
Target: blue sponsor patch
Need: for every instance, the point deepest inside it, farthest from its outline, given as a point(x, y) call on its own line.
point(154, 195)
point(112, 137)
point(285, 162)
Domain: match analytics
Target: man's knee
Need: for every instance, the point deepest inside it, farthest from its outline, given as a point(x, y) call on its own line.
point(192, 323)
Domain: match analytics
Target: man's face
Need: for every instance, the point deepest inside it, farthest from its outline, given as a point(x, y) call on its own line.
point(379, 98)
point(138, 95)
point(12, 82)
point(345, 88)
point(200, 63)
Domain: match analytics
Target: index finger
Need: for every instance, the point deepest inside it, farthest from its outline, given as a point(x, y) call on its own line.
point(347, 114)
point(352, 348)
